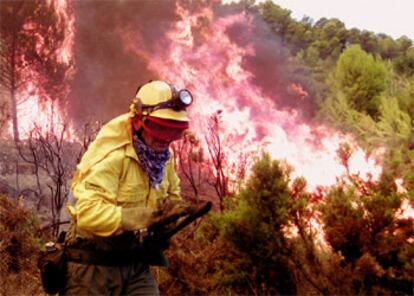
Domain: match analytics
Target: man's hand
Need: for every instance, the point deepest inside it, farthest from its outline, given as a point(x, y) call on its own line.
point(165, 220)
point(177, 215)
point(138, 218)
point(172, 217)
point(169, 212)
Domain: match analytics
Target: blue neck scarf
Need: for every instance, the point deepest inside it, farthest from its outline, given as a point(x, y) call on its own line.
point(152, 162)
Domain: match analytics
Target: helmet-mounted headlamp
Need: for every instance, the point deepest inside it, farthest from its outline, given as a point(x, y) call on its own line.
point(179, 101)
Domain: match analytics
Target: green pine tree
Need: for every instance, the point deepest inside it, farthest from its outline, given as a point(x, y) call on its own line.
point(254, 227)
point(362, 78)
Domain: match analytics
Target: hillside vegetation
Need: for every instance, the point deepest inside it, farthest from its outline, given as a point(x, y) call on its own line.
point(271, 236)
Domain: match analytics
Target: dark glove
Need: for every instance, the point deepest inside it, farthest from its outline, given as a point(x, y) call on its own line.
point(166, 220)
point(179, 216)
point(172, 217)
point(169, 212)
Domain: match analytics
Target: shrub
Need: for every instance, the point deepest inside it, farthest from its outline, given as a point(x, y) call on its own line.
point(19, 245)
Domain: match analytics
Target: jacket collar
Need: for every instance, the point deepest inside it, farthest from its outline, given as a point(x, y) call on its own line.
point(115, 134)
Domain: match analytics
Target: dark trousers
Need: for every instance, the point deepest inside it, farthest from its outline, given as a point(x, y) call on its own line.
point(132, 279)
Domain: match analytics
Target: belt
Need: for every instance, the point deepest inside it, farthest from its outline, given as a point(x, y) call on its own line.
point(108, 258)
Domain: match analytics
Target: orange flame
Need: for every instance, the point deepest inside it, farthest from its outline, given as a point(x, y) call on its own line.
point(66, 16)
point(213, 70)
point(34, 107)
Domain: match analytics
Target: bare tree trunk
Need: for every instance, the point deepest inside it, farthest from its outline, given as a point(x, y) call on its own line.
point(17, 174)
point(13, 88)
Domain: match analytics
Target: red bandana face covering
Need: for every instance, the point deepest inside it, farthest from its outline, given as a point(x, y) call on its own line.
point(164, 129)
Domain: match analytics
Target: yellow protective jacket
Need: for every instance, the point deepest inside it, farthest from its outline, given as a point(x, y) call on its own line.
point(109, 177)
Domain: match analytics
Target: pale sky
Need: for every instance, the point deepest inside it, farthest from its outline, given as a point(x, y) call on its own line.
point(392, 17)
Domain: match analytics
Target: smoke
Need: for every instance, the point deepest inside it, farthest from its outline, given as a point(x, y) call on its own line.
point(108, 73)
point(228, 58)
point(272, 66)
point(269, 63)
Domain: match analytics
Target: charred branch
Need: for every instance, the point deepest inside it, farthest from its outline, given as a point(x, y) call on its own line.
point(45, 151)
point(190, 158)
point(88, 135)
point(219, 179)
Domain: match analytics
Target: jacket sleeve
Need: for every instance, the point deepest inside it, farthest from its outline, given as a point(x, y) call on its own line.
point(96, 192)
point(174, 189)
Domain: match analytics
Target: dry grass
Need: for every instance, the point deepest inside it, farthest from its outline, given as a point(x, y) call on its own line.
point(19, 245)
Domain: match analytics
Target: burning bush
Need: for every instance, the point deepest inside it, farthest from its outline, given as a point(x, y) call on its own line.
point(363, 225)
point(275, 238)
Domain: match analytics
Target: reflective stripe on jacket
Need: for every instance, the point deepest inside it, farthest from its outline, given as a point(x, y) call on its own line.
point(109, 177)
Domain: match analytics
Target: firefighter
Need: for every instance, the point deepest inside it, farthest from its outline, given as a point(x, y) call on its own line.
point(124, 184)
